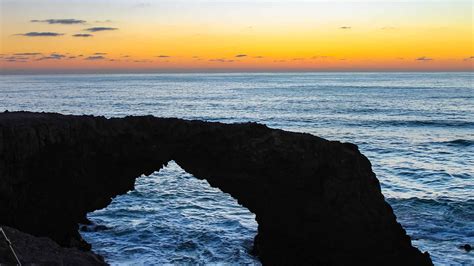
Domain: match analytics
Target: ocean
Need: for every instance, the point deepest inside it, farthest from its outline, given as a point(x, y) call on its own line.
point(417, 129)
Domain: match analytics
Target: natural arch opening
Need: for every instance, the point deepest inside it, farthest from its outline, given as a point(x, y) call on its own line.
point(173, 217)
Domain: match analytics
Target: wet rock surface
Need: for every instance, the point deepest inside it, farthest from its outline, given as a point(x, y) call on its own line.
point(316, 201)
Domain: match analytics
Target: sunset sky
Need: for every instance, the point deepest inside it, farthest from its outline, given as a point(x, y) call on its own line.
point(212, 35)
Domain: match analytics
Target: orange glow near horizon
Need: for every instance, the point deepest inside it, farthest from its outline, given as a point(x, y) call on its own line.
point(236, 36)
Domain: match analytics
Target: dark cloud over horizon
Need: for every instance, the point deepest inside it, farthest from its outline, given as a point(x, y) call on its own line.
point(27, 54)
point(82, 35)
point(163, 56)
point(424, 58)
point(241, 55)
point(40, 34)
point(68, 21)
point(97, 29)
point(345, 28)
point(20, 59)
point(53, 56)
point(221, 60)
point(95, 57)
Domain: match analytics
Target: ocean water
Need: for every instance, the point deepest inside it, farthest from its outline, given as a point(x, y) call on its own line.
point(417, 129)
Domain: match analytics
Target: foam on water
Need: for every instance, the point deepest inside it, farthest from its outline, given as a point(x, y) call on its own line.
point(416, 128)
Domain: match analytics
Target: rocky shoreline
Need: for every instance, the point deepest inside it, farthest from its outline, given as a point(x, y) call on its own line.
point(316, 201)
point(42, 251)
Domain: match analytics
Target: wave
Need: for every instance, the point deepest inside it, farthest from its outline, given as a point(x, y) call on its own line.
point(418, 123)
point(440, 201)
point(459, 142)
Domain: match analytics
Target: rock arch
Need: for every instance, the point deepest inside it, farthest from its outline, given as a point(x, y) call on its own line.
point(316, 201)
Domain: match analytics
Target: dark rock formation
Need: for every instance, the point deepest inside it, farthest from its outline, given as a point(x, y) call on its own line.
point(316, 201)
point(466, 247)
point(42, 251)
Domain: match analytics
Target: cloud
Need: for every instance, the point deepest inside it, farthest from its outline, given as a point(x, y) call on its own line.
point(258, 57)
point(241, 55)
point(345, 28)
point(297, 59)
point(96, 29)
point(27, 54)
point(82, 35)
point(469, 58)
point(103, 21)
point(221, 60)
point(40, 34)
point(100, 53)
point(424, 58)
point(15, 59)
point(163, 56)
point(53, 56)
point(68, 21)
point(95, 57)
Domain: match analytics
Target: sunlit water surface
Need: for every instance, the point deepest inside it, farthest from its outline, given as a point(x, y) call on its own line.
point(417, 129)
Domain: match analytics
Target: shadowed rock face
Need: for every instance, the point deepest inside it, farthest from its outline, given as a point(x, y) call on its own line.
point(316, 201)
point(42, 251)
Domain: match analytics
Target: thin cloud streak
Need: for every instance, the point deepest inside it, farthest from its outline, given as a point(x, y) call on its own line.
point(221, 60)
point(40, 34)
point(81, 35)
point(97, 29)
point(53, 56)
point(424, 58)
point(68, 21)
point(27, 54)
point(95, 57)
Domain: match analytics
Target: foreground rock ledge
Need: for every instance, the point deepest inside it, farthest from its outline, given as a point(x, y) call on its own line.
point(316, 201)
point(42, 251)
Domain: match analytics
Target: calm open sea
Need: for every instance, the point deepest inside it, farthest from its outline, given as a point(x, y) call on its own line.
point(416, 128)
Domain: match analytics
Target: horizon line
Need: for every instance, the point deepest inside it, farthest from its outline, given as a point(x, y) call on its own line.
point(223, 71)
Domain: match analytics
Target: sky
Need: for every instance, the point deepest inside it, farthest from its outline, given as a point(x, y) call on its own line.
point(212, 35)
